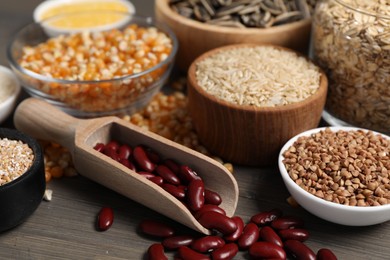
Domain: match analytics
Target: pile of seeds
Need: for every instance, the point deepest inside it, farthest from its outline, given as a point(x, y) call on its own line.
point(16, 158)
point(261, 76)
point(355, 48)
point(345, 167)
point(245, 13)
point(58, 161)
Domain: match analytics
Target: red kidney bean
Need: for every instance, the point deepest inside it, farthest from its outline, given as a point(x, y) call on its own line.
point(249, 236)
point(125, 162)
point(211, 197)
point(172, 165)
point(266, 217)
point(217, 221)
point(152, 155)
point(325, 254)
point(112, 154)
point(186, 174)
point(269, 235)
point(176, 191)
point(156, 252)
point(189, 254)
point(294, 234)
point(195, 194)
point(227, 252)
point(105, 218)
point(236, 234)
point(99, 147)
point(209, 207)
point(155, 228)
point(172, 243)
point(167, 174)
point(112, 145)
point(124, 151)
point(207, 243)
point(131, 166)
point(287, 222)
point(266, 250)
point(147, 175)
point(299, 250)
point(157, 179)
point(142, 159)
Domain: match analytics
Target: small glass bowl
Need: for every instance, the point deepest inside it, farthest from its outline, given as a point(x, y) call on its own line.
point(122, 94)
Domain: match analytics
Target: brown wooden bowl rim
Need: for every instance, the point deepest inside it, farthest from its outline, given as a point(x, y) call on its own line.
point(191, 78)
point(163, 6)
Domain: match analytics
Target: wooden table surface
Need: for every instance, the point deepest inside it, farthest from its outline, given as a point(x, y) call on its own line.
point(64, 227)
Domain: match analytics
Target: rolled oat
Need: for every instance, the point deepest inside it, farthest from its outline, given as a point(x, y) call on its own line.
point(354, 48)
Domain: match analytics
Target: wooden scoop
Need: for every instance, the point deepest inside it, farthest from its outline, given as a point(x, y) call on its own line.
point(41, 120)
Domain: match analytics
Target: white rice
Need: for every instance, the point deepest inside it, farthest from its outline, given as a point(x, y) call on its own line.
point(260, 76)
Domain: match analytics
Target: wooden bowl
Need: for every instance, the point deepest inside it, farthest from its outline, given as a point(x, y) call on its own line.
point(195, 37)
point(249, 135)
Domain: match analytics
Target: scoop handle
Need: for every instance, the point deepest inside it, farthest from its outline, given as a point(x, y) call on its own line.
point(42, 121)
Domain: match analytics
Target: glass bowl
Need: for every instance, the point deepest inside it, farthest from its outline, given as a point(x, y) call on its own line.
point(97, 72)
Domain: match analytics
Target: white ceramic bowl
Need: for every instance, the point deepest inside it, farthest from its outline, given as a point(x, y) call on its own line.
point(331, 211)
point(8, 104)
point(89, 9)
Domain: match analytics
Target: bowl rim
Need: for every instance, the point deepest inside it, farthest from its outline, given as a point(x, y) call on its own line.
point(191, 78)
point(163, 6)
point(134, 19)
point(47, 4)
point(13, 134)
point(16, 87)
point(322, 202)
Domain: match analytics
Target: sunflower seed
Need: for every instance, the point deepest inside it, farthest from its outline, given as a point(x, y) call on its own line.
point(230, 9)
point(247, 13)
point(208, 7)
point(286, 17)
point(201, 13)
point(303, 6)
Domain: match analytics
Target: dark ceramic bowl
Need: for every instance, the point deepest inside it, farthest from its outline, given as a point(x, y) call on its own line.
point(21, 197)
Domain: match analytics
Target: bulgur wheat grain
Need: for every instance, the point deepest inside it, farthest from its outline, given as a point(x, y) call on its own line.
point(16, 158)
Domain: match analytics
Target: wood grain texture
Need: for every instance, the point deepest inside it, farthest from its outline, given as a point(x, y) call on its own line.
point(41, 120)
point(195, 38)
point(249, 135)
point(64, 228)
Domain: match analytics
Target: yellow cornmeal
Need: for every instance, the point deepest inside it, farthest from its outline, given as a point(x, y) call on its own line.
point(86, 14)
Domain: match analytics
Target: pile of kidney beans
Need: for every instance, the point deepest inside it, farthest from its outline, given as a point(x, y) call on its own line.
point(268, 235)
